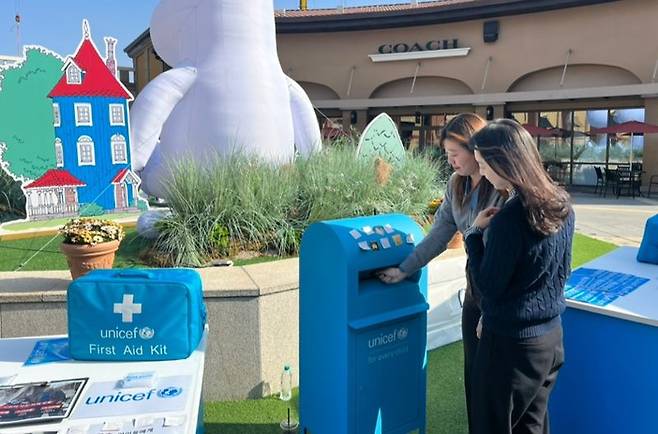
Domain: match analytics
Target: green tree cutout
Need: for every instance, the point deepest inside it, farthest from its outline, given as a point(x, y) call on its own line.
point(26, 114)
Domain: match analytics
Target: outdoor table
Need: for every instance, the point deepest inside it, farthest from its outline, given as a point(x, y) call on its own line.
point(609, 382)
point(176, 410)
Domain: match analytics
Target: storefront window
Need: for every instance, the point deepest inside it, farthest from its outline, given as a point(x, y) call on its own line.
point(572, 152)
point(421, 132)
point(620, 144)
point(520, 117)
point(588, 149)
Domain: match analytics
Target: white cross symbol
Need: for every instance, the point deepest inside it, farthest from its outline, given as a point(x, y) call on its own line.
point(127, 308)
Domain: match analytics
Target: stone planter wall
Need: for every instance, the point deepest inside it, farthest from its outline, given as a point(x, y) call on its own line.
point(253, 314)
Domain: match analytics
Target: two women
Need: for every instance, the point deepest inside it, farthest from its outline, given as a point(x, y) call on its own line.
point(467, 193)
point(518, 228)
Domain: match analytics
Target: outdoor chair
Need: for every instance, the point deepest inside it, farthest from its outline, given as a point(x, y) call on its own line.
point(652, 181)
point(625, 181)
point(610, 181)
point(600, 180)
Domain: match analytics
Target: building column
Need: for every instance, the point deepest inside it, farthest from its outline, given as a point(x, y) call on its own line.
point(498, 110)
point(361, 120)
point(346, 120)
point(650, 159)
point(481, 110)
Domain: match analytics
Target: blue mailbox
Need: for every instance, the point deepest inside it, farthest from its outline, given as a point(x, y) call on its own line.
point(362, 342)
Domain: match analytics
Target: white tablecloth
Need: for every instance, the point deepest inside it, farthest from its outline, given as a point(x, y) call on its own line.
point(187, 373)
point(641, 305)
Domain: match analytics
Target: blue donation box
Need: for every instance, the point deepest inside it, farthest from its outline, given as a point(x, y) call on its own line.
point(362, 342)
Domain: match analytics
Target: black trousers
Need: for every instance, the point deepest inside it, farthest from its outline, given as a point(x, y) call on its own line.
point(511, 381)
point(470, 317)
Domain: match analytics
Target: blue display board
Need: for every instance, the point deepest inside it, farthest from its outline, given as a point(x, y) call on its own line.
point(600, 287)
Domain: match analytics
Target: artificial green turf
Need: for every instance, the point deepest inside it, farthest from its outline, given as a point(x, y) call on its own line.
point(56, 223)
point(16, 252)
point(446, 407)
point(250, 416)
point(585, 249)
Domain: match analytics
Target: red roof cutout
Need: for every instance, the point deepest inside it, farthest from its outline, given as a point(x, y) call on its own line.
point(122, 175)
point(119, 176)
point(56, 178)
point(97, 80)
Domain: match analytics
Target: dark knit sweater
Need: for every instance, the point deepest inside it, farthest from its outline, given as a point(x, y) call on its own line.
point(521, 273)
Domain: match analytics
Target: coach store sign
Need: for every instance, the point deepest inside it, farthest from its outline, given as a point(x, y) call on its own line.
point(418, 50)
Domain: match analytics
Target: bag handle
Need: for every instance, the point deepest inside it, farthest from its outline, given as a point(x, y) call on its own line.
point(134, 274)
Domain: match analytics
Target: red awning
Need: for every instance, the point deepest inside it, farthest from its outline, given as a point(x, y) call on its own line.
point(630, 127)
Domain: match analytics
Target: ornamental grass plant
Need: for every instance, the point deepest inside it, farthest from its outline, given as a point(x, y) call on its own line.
point(239, 203)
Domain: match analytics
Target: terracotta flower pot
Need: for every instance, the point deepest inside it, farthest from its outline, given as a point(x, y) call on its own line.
point(83, 258)
point(457, 241)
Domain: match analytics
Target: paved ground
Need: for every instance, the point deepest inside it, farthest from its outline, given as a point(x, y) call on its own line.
point(619, 221)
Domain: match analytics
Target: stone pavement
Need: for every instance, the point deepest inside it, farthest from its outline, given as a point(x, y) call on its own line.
point(619, 221)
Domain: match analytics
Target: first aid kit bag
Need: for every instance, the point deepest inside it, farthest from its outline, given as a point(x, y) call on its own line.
point(135, 315)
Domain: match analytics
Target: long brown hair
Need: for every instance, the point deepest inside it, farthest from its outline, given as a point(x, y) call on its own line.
point(511, 152)
point(460, 129)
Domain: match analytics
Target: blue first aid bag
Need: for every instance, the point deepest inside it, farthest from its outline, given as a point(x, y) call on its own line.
point(135, 315)
point(649, 248)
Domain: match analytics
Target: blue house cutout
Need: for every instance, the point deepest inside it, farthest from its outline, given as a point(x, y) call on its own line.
point(90, 111)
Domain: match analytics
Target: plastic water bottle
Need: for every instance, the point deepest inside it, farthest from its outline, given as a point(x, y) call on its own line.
point(286, 384)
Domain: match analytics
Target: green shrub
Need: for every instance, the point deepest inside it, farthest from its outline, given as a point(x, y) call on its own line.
point(260, 206)
point(12, 199)
point(220, 238)
point(91, 210)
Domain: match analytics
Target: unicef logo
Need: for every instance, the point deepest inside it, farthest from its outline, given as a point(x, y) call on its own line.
point(402, 333)
point(146, 333)
point(170, 392)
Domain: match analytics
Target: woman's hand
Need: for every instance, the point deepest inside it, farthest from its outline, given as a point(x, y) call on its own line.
point(483, 219)
point(391, 275)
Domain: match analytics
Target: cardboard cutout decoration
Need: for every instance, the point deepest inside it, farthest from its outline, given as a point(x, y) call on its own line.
point(26, 129)
point(381, 139)
point(82, 164)
point(226, 92)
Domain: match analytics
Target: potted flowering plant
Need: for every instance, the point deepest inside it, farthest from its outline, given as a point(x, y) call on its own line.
point(90, 243)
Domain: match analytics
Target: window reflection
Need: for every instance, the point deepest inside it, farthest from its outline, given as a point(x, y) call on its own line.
point(570, 152)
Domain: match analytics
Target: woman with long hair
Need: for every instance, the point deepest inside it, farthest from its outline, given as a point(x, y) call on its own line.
point(466, 195)
point(520, 275)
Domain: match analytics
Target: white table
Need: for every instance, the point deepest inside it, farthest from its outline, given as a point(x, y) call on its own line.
point(609, 381)
point(14, 352)
point(640, 305)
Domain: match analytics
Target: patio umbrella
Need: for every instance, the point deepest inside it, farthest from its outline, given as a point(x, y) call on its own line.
point(630, 127)
point(536, 131)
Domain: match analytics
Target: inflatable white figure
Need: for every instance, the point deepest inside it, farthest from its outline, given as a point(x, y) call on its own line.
point(226, 92)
